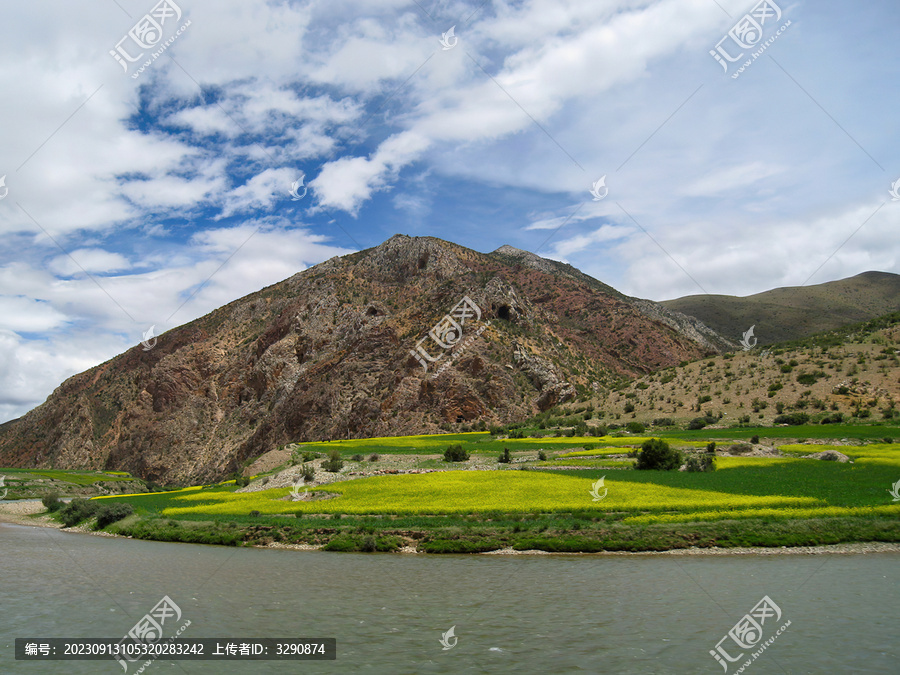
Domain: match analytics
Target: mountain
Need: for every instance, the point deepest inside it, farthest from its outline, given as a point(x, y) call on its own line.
point(332, 353)
point(795, 312)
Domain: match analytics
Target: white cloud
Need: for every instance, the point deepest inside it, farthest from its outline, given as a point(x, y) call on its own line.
point(731, 178)
point(88, 260)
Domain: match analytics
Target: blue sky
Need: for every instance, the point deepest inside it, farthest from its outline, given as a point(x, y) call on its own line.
point(148, 198)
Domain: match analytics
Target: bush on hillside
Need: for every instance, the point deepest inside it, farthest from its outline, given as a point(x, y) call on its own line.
point(635, 427)
point(697, 423)
point(793, 419)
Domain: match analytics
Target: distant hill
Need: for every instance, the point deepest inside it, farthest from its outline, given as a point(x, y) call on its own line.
point(848, 373)
point(795, 312)
point(331, 353)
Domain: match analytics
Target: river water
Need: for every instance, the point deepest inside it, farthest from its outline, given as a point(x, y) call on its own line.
point(512, 614)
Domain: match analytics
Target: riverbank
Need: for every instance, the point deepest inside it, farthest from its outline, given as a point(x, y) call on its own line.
point(30, 513)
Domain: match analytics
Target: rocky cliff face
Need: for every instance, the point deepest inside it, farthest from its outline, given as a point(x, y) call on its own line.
point(413, 336)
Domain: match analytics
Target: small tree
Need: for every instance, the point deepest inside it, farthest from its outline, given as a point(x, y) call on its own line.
point(656, 454)
point(308, 473)
point(334, 463)
point(52, 502)
point(701, 462)
point(456, 453)
point(110, 513)
point(504, 456)
point(77, 510)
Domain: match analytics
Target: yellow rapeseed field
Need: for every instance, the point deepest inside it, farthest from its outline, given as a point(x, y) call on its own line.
point(478, 491)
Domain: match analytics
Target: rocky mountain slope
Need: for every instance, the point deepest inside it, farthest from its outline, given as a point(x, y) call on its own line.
point(339, 351)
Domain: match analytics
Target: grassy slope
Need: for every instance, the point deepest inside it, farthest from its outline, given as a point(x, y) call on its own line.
point(796, 312)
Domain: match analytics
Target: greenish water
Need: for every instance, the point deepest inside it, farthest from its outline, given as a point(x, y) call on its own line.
point(521, 614)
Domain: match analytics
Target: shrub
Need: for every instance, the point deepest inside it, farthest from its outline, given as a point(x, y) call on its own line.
point(52, 502)
point(456, 453)
point(635, 427)
point(308, 473)
point(374, 457)
point(110, 513)
point(504, 456)
point(657, 454)
point(77, 510)
point(542, 455)
point(740, 449)
point(334, 463)
point(697, 423)
point(711, 446)
point(255, 514)
point(792, 419)
point(629, 407)
point(702, 462)
point(309, 456)
point(754, 440)
point(835, 418)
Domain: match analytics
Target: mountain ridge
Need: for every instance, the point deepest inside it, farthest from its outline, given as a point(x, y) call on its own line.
point(330, 352)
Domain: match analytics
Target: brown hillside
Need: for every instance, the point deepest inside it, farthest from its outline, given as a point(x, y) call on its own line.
point(326, 354)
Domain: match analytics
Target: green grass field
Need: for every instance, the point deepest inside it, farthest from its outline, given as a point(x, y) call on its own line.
point(760, 501)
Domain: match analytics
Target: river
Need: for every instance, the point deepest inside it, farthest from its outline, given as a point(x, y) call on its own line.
point(512, 614)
